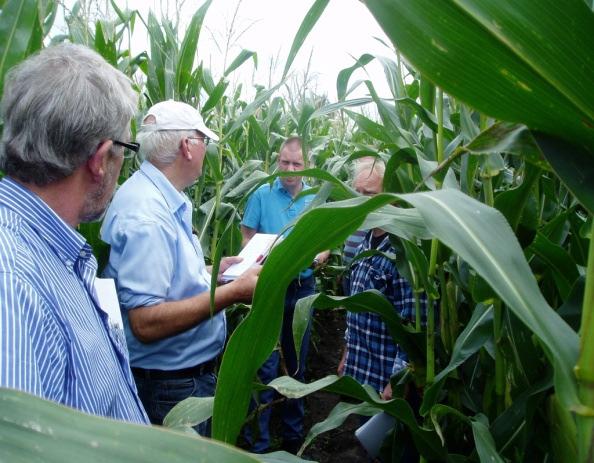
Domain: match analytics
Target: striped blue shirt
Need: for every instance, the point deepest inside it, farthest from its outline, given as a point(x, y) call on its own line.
point(56, 341)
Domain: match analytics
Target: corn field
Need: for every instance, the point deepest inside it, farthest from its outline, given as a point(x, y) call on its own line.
point(488, 139)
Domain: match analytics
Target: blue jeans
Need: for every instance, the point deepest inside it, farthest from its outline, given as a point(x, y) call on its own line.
point(159, 396)
point(293, 409)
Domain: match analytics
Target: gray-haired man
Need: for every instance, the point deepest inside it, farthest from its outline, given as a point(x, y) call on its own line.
point(66, 118)
point(161, 277)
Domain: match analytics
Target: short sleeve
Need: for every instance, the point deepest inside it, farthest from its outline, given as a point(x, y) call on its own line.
point(253, 211)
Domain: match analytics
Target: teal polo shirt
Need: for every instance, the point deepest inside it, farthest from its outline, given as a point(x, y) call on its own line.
point(270, 208)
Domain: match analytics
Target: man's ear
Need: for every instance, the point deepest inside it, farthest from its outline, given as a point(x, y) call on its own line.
point(184, 146)
point(97, 163)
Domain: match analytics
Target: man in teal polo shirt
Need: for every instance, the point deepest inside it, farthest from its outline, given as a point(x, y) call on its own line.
point(269, 210)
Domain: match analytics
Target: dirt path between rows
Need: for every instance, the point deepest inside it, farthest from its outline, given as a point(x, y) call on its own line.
point(339, 445)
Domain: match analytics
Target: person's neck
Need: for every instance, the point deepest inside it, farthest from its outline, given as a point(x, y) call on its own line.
point(294, 190)
point(173, 173)
point(65, 197)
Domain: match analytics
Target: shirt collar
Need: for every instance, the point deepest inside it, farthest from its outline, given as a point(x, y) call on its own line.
point(68, 244)
point(174, 199)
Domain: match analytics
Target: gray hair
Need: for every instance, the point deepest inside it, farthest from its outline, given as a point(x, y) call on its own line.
point(58, 105)
point(371, 164)
point(161, 146)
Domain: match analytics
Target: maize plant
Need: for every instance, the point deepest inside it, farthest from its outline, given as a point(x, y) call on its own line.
point(488, 139)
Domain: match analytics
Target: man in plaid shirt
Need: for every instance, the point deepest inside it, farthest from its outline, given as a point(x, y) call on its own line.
point(371, 356)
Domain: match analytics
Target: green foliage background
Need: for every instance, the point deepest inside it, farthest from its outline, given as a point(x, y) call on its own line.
point(488, 136)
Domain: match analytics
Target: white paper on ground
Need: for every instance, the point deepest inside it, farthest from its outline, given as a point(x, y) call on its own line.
point(255, 250)
point(372, 434)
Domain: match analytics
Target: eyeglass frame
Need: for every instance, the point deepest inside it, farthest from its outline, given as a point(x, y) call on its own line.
point(204, 138)
point(132, 146)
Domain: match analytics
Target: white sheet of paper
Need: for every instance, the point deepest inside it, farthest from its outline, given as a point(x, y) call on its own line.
point(108, 300)
point(257, 247)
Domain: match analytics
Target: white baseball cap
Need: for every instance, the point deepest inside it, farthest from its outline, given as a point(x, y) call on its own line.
point(175, 115)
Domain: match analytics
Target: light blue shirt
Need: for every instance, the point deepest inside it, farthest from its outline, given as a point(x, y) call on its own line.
point(56, 342)
point(155, 258)
point(270, 208)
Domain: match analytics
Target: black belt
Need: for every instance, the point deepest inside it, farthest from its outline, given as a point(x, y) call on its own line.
point(192, 372)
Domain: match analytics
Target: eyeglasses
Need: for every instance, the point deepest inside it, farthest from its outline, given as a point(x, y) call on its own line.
point(131, 148)
point(204, 139)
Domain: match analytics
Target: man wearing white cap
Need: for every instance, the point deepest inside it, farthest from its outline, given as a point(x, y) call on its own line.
point(158, 265)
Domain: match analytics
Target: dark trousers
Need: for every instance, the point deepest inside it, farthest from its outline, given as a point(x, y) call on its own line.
point(159, 396)
point(293, 409)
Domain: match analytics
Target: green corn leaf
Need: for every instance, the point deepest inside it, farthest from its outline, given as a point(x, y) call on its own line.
point(426, 441)
point(333, 107)
point(505, 137)
point(393, 73)
point(215, 96)
point(187, 53)
point(342, 80)
point(103, 46)
point(512, 423)
point(499, 46)
point(243, 357)
point(243, 56)
point(485, 445)
point(439, 411)
point(310, 20)
point(404, 223)
point(427, 94)
point(33, 429)
point(559, 262)
point(17, 22)
point(572, 164)
point(258, 135)
point(370, 127)
point(562, 432)
point(512, 202)
point(123, 17)
point(391, 120)
point(426, 116)
point(471, 229)
point(337, 417)
point(447, 177)
point(367, 301)
point(476, 232)
point(250, 110)
point(476, 334)
point(37, 34)
point(156, 63)
point(418, 260)
point(189, 413)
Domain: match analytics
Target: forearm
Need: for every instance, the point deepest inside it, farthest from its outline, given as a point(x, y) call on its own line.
point(150, 324)
point(247, 234)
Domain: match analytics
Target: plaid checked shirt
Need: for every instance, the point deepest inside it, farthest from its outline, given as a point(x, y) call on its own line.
point(372, 357)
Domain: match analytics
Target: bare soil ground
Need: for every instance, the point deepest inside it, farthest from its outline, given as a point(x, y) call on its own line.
point(339, 445)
